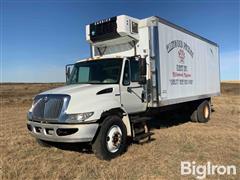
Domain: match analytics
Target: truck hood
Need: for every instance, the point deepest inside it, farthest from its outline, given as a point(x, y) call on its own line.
point(79, 89)
point(85, 98)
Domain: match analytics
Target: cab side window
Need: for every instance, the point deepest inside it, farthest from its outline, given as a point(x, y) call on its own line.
point(126, 74)
point(134, 70)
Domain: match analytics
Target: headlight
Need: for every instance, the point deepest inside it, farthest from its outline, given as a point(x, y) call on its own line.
point(76, 118)
point(29, 116)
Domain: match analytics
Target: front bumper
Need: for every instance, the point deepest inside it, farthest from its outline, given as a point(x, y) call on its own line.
point(63, 132)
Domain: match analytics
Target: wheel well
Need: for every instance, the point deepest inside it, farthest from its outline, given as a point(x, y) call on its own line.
point(196, 103)
point(116, 111)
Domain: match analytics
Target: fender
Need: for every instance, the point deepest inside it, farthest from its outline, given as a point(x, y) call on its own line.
point(119, 111)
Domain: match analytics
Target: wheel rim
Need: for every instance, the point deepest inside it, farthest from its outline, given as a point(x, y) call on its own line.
point(206, 112)
point(114, 138)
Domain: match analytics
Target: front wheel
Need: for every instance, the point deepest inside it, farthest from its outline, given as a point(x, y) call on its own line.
point(111, 139)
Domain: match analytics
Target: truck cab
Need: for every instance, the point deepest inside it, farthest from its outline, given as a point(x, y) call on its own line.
point(100, 92)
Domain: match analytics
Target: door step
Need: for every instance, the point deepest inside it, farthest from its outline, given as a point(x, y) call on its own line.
point(143, 136)
point(140, 128)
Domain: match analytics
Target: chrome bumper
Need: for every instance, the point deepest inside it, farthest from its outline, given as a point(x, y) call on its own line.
point(63, 132)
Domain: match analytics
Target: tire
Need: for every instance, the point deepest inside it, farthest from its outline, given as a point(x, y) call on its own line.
point(111, 139)
point(204, 112)
point(43, 143)
point(194, 116)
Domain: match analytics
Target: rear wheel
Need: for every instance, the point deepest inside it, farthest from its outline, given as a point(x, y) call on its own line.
point(194, 117)
point(201, 113)
point(204, 112)
point(111, 139)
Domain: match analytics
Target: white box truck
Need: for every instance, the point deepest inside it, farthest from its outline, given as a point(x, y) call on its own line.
point(137, 67)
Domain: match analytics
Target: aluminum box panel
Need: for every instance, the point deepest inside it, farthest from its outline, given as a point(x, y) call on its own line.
point(188, 66)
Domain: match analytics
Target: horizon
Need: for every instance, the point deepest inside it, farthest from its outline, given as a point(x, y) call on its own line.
point(38, 38)
point(63, 82)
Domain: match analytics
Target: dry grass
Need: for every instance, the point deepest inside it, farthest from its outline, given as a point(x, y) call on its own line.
point(216, 141)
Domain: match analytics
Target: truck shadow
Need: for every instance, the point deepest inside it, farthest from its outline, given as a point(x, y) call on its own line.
point(76, 147)
point(168, 119)
point(165, 120)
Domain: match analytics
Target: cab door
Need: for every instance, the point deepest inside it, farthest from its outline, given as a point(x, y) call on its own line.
point(132, 93)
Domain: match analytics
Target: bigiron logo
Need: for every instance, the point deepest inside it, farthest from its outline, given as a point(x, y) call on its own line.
point(203, 170)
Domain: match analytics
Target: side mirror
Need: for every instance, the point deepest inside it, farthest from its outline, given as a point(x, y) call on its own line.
point(142, 71)
point(68, 73)
point(68, 69)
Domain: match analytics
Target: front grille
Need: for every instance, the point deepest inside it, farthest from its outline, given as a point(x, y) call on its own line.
point(48, 107)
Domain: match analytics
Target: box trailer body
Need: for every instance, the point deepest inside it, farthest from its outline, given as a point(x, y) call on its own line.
point(188, 65)
point(136, 67)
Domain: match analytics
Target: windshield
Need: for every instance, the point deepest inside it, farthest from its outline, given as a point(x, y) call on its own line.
point(104, 71)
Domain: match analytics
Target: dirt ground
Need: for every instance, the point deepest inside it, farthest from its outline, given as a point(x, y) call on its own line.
point(175, 140)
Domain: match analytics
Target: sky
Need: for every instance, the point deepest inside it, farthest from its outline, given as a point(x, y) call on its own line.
point(38, 38)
